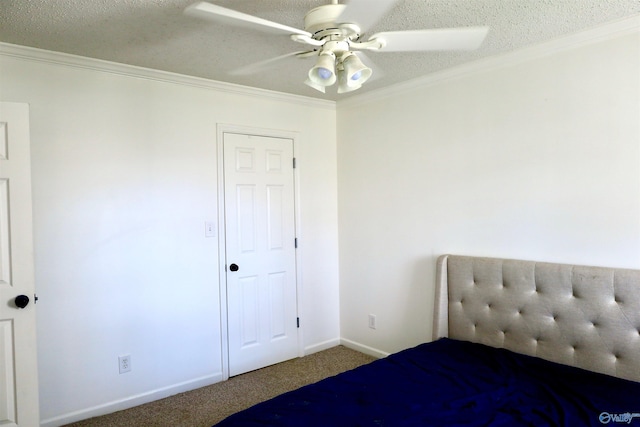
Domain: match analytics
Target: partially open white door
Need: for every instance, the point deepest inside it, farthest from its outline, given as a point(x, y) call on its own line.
point(18, 358)
point(260, 251)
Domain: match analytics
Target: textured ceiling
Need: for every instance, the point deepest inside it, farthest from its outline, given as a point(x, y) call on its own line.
point(156, 34)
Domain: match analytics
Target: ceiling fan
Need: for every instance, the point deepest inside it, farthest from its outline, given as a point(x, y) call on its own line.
point(334, 31)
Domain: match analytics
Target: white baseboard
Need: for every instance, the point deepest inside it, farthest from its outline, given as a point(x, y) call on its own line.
point(161, 393)
point(321, 346)
point(363, 348)
point(347, 343)
point(131, 401)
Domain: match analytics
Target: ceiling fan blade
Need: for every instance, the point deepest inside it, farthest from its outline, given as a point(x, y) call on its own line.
point(365, 13)
point(262, 65)
point(215, 13)
point(438, 39)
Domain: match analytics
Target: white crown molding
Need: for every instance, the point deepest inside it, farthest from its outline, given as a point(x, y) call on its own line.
point(594, 35)
point(76, 61)
point(598, 34)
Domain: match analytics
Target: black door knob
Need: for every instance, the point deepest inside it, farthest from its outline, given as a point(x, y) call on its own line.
point(234, 267)
point(21, 301)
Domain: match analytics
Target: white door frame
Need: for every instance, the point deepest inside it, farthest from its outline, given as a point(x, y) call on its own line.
point(221, 129)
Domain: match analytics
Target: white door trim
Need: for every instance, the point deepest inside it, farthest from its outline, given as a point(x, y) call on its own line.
point(221, 129)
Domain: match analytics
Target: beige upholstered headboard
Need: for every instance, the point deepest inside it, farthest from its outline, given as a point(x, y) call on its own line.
point(581, 316)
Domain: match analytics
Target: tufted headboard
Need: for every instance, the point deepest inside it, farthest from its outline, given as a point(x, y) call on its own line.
point(587, 317)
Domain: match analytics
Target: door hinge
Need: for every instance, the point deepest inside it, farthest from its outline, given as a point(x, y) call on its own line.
point(295, 243)
point(294, 162)
point(298, 322)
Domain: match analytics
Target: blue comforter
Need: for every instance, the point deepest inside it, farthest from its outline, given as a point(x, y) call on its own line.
point(453, 383)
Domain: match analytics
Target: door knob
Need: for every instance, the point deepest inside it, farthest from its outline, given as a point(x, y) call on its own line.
point(21, 301)
point(234, 267)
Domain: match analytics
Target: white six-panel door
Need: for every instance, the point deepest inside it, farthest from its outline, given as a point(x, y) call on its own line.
point(18, 358)
point(260, 242)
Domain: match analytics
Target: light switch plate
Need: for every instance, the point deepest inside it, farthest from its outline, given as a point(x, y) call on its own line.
point(209, 229)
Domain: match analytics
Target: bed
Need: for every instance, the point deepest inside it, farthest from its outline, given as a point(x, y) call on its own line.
point(514, 343)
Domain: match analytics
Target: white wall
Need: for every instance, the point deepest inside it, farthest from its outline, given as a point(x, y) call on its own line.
point(124, 177)
point(538, 160)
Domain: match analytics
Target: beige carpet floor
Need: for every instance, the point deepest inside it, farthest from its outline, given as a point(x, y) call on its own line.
point(208, 405)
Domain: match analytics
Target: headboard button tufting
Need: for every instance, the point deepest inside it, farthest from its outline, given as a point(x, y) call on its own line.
point(560, 312)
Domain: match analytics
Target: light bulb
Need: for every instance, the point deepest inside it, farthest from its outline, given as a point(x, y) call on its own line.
point(324, 74)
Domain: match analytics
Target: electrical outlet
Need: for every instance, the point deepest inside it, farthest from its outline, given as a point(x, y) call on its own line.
point(372, 321)
point(124, 362)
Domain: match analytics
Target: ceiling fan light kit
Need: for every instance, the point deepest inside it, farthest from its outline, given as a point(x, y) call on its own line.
point(333, 32)
point(336, 62)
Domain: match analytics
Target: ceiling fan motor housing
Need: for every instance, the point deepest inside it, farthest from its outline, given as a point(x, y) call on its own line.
point(322, 22)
